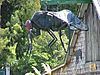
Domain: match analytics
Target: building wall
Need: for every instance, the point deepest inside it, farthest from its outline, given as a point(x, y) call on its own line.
point(89, 43)
point(93, 35)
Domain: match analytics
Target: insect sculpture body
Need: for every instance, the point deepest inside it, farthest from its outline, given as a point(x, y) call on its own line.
point(54, 21)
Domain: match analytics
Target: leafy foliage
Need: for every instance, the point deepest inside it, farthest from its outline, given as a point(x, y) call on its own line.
point(14, 40)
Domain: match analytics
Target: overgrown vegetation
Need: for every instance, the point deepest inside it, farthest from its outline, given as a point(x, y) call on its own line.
point(14, 41)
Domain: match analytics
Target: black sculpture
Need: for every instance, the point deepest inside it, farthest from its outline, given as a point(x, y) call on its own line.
point(54, 21)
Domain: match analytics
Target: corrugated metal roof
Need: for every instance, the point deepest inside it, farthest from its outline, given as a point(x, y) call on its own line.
point(55, 2)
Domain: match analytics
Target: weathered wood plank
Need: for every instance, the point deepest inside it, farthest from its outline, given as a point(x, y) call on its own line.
point(96, 49)
point(89, 48)
point(98, 35)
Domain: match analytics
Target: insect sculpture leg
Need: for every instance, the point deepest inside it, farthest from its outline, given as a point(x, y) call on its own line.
point(69, 37)
point(30, 42)
point(54, 38)
point(62, 41)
